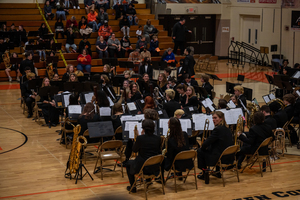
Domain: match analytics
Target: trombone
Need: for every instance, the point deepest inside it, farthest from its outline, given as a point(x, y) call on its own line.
point(205, 131)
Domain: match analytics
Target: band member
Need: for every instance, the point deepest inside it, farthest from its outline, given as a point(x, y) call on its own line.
point(289, 101)
point(268, 117)
point(135, 92)
point(257, 134)
point(233, 98)
point(178, 113)
point(181, 89)
point(147, 145)
point(28, 95)
point(206, 85)
point(171, 106)
point(239, 93)
point(69, 70)
point(215, 144)
point(189, 81)
point(222, 104)
point(109, 70)
point(73, 78)
point(108, 89)
point(167, 72)
point(180, 72)
point(172, 85)
point(149, 103)
point(162, 82)
point(279, 115)
point(144, 85)
point(190, 99)
point(296, 119)
point(117, 112)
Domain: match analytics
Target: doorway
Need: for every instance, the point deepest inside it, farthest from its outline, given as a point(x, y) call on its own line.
point(251, 30)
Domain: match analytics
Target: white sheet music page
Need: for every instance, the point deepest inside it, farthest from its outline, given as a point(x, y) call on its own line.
point(199, 121)
point(74, 109)
point(211, 108)
point(266, 99)
point(127, 118)
point(105, 111)
point(131, 106)
point(297, 75)
point(88, 97)
point(272, 96)
point(234, 114)
point(298, 92)
point(130, 126)
point(231, 104)
point(111, 103)
point(66, 99)
point(204, 103)
point(208, 100)
point(185, 124)
point(163, 123)
point(140, 117)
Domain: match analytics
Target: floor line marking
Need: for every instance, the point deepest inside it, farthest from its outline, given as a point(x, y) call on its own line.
point(1, 149)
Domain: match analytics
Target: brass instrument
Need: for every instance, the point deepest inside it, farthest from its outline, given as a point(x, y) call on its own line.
point(239, 128)
point(136, 133)
point(279, 101)
point(78, 73)
point(158, 98)
point(253, 108)
point(205, 131)
point(50, 71)
point(78, 142)
point(6, 59)
point(165, 150)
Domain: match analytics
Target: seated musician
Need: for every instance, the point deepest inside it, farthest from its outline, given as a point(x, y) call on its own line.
point(117, 112)
point(69, 70)
point(257, 134)
point(233, 98)
point(181, 89)
point(55, 77)
point(149, 103)
point(146, 145)
point(178, 141)
point(73, 78)
point(189, 81)
point(239, 93)
point(144, 85)
point(106, 84)
point(178, 113)
point(24, 77)
point(102, 100)
point(126, 85)
point(109, 70)
point(167, 72)
point(13, 67)
point(162, 82)
point(171, 106)
point(50, 112)
point(268, 117)
point(296, 119)
point(172, 85)
point(88, 115)
point(215, 144)
point(190, 99)
point(206, 85)
point(27, 94)
point(279, 115)
point(127, 74)
point(222, 104)
point(135, 92)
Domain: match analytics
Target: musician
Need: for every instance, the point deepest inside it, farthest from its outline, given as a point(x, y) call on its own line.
point(102, 99)
point(177, 142)
point(190, 99)
point(146, 67)
point(146, 145)
point(13, 67)
point(50, 112)
point(296, 107)
point(24, 77)
point(239, 93)
point(144, 85)
point(172, 85)
point(117, 112)
point(109, 70)
point(269, 120)
point(171, 106)
point(149, 103)
point(106, 86)
point(28, 62)
point(257, 134)
point(55, 77)
point(135, 92)
point(180, 72)
point(162, 82)
point(127, 95)
point(73, 78)
point(167, 72)
point(289, 101)
point(206, 85)
point(127, 75)
point(178, 113)
point(189, 62)
point(189, 81)
point(279, 115)
point(222, 104)
point(215, 144)
point(28, 95)
point(181, 89)
point(126, 85)
point(234, 100)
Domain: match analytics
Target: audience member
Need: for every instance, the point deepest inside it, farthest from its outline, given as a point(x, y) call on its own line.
point(85, 44)
point(124, 25)
point(70, 40)
point(48, 11)
point(101, 47)
point(125, 46)
point(105, 30)
point(92, 17)
point(114, 46)
point(102, 16)
point(84, 61)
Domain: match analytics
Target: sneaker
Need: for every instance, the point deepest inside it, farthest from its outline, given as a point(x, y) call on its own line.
point(18, 79)
point(9, 79)
point(78, 7)
point(74, 7)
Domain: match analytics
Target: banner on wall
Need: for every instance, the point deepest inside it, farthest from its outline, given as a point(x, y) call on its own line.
point(243, 1)
point(191, 1)
point(268, 1)
point(295, 22)
point(290, 3)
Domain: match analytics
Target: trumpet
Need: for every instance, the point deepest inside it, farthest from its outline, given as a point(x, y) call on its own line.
point(205, 131)
point(239, 128)
point(165, 150)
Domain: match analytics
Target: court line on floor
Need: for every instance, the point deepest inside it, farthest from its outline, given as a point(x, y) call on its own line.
point(2, 104)
point(110, 184)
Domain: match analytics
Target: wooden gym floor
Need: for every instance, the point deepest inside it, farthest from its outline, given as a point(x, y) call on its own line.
point(33, 163)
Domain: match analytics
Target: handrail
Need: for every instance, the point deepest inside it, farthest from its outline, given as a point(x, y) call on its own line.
point(49, 29)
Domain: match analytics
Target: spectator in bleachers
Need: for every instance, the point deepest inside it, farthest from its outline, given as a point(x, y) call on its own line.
point(124, 25)
point(102, 17)
point(148, 30)
point(92, 19)
point(13, 67)
point(105, 30)
point(101, 47)
point(169, 57)
point(119, 10)
point(61, 11)
point(67, 3)
point(69, 70)
point(83, 28)
point(59, 28)
point(3, 46)
point(84, 61)
point(75, 4)
point(141, 43)
point(85, 44)
point(154, 46)
point(125, 46)
point(72, 23)
point(41, 53)
point(23, 37)
point(131, 14)
point(48, 11)
point(89, 5)
point(145, 54)
point(135, 57)
point(53, 3)
point(139, 32)
point(102, 4)
point(114, 46)
point(43, 30)
point(70, 40)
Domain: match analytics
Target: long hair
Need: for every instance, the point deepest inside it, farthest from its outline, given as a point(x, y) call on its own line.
point(163, 82)
point(131, 86)
point(176, 131)
point(222, 116)
point(149, 103)
point(43, 84)
point(102, 99)
point(193, 91)
point(73, 99)
point(88, 111)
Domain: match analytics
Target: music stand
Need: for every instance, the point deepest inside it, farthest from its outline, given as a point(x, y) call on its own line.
point(51, 59)
point(230, 87)
point(35, 84)
point(126, 64)
point(36, 59)
point(33, 33)
point(9, 46)
point(248, 93)
point(136, 76)
point(48, 91)
point(30, 47)
point(73, 87)
point(287, 86)
point(95, 77)
point(56, 46)
point(82, 78)
point(101, 129)
point(270, 80)
point(43, 46)
point(201, 91)
point(59, 84)
point(117, 81)
point(89, 86)
point(240, 78)
point(48, 36)
point(16, 61)
point(110, 61)
point(214, 77)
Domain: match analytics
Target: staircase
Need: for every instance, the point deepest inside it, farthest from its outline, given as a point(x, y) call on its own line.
point(28, 15)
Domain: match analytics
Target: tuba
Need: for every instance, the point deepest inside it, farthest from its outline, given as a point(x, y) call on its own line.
point(50, 71)
point(279, 101)
point(239, 128)
point(6, 59)
point(165, 150)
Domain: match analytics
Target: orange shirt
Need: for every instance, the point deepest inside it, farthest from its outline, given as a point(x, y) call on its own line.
point(92, 17)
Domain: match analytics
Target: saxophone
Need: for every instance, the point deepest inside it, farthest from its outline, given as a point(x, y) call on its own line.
point(165, 150)
point(6, 59)
point(136, 133)
point(239, 128)
point(50, 71)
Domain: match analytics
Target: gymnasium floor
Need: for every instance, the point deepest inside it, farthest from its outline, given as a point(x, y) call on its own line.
point(33, 163)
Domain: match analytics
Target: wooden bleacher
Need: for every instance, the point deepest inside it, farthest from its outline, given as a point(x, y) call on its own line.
point(28, 15)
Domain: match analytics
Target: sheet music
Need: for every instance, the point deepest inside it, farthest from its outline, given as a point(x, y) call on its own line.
point(140, 117)
point(131, 106)
point(123, 106)
point(232, 115)
point(130, 126)
point(298, 93)
point(105, 111)
point(163, 123)
point(111, 103)
point(230, 104)
point(142, 101)
point(266, 99)
point(208, 100)
point(88, 97)
point(204, 103)
point(297, 75)
point(185, 124)
point(191, 109)
point(110, 93)
point(211, 108)
point(272, 96)
point(66, 99)
point(74, 109)
point(160, 112)
point(199, 121)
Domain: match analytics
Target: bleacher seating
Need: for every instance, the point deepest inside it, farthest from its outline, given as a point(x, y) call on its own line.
point(28, 15)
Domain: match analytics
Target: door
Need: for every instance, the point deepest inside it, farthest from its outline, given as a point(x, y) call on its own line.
point(251, 30)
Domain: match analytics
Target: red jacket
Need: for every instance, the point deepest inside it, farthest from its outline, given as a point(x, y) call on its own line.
point(81, 60)
point(69, 22)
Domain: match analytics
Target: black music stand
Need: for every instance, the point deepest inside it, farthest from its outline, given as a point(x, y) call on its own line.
point(56, 46)
point(79, 175)
point(10, 46)
point(136, 76)
point(31, 47)
point(240, 78)
point(248, 93)
point(88, 86)
point(59, 84)
point(118, 82)
point(33, 33)
point(214, 77)
point(43, 46)
point(36, 58)
point(35, 84)
point(126, 64)
point(201, 91)
point(48, 36)
point(16, 61)
point(110, 62)
point(82, 78)
point(230, 87)
point(51, 59)
point(95, 77)
point(73, 87)
point(270, 80)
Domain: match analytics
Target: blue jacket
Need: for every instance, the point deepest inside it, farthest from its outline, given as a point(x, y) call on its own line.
point(47, 9)
point(153, 45)
point(169, 57)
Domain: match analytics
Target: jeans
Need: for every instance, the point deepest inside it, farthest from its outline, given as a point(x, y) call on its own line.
point(101, 53)
point(42, 53)
point(95, 26)
point(74, 47)
point(125, 29)
point(61, 14)
point(81, 67)
point(112, 53)
point(99, 26)
point(67, 3)
point(132, 21)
